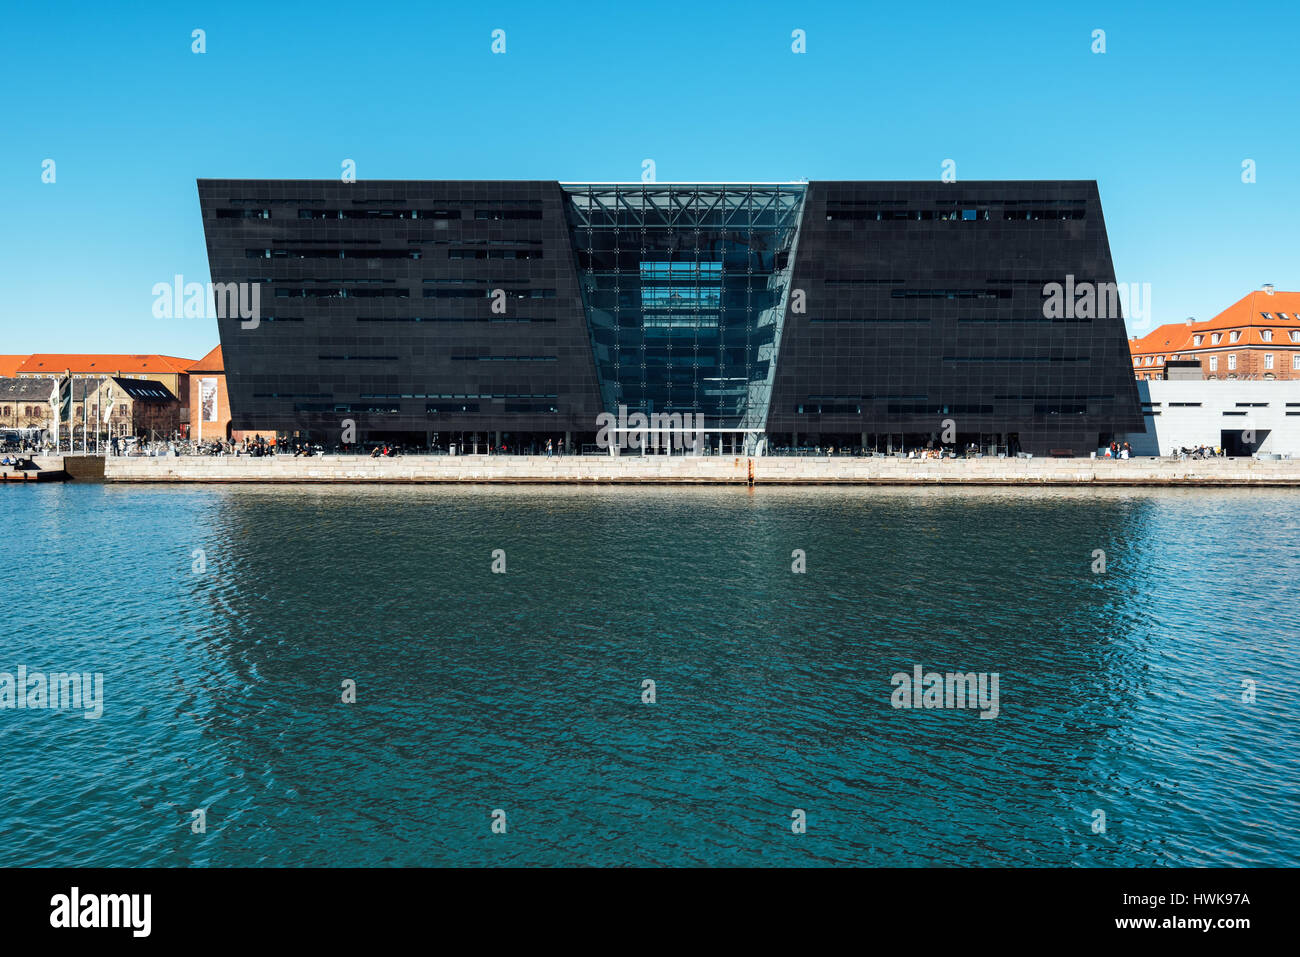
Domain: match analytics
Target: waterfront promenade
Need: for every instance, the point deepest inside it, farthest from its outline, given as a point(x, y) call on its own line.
point(702, 470)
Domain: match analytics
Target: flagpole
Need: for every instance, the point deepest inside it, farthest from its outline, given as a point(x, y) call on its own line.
point(54, 412)
point(67, 377)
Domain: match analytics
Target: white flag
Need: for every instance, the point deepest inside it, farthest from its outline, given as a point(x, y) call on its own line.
point(108, 402)
point(54, 407)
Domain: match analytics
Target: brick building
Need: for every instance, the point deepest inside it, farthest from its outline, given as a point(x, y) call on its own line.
point(141, 407)
point(209, 403)
point(24, 403)
point(171, 372)
point(1257, 337)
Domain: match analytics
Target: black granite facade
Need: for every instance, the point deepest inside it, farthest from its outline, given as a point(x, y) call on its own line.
point(923, 314)
point(411, 309)
point(894, 313)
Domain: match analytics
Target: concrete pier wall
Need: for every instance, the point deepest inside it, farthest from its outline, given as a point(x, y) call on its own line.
point(716, 470)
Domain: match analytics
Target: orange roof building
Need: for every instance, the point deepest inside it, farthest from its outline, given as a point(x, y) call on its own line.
point(1257, 337)
point(97, 364)
point(209, 402)
point(169, 371)
point(9, 366)
point(211, 363)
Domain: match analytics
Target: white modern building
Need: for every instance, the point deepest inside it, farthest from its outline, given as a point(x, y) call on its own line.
point(1243, 417)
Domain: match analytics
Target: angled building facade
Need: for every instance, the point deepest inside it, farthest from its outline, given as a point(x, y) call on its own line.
point(872, 315)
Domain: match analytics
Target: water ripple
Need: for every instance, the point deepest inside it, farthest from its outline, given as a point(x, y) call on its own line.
point(1121, 692)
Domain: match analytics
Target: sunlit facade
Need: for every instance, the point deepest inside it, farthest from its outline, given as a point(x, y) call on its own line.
point(870, 315)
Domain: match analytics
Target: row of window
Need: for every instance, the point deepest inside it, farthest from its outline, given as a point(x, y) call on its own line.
point(950, 294)
point(1016, 358)
point(332, 253)
point(456, 408)
point(914, 408)
point(494, 254)
point(1214, 361)
point(492, 318)
point(850, 214)
point(1197, 405)
point(381, 214)
point(1265, 335)
point(460, 395)
point(355, 280)
point(916, 319)
point(924, 408)
point(375, 214)
point(33, 411)
point(960, 203)
point(339, 292)
point(992, 281)
point(488, 293)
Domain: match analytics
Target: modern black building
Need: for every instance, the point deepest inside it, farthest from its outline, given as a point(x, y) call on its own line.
point(876, 314)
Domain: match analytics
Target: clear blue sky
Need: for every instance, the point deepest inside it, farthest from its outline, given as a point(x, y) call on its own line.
point(710, 91)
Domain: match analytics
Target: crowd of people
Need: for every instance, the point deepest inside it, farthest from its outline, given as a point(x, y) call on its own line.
point(1201, 452)
point(259, 446)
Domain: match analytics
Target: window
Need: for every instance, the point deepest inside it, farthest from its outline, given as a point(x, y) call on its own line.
point(1283, 315)
point(1266, 335)
point(507, 214)
point(1137, 360)
point(1234, 335)
point(1147, 361)
point(1160, 360)
point(1295, 360)
point(1232, 361)
point(1216, 338)
point(1267, 315)
point(1197, 340)
point(1295, 336)
point(1268, 360)
point(950, 293)
point(1214, 363)
point(121, 409)
point(6, 411)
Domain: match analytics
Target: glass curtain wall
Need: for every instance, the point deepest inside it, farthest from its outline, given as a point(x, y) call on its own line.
point(684, 288)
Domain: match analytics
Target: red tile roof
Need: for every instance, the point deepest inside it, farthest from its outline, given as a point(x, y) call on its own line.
point(1251, 315)
point(9, 365)
point(212, 362)
point(47, 363)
